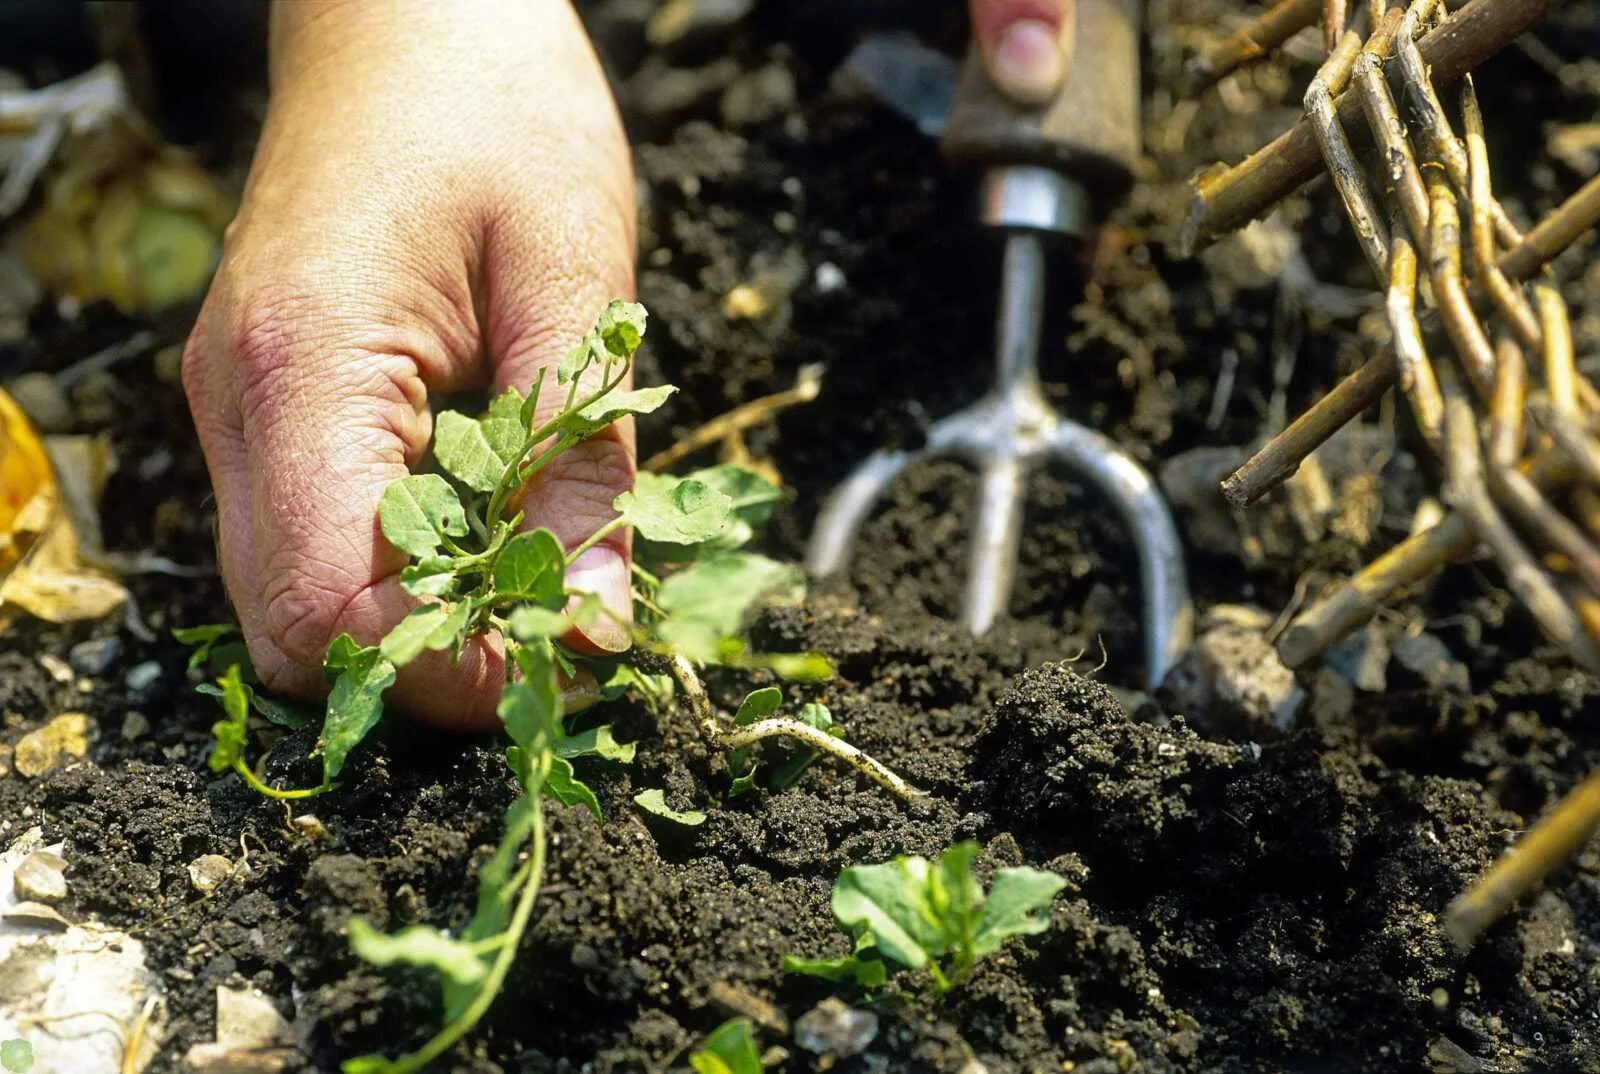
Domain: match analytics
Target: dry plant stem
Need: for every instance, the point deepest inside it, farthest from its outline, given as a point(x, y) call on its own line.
point(1417, 380)
point(1282, 455)
point(1225, 198)
point(1562, 417)
point(1450, 288)
point(1250, 42)
point(1510, 299)
point(1586, 502)
point(738, 738)
point(1469, 493)
point(1404, 177)
point(1512, 488)
point(1354, 601)
point(1333, 15)
point(806, 387)
point(1536, 855)
point(1552, 235)
point(1351, 603)
point(1359, 205)
point(1438, 140)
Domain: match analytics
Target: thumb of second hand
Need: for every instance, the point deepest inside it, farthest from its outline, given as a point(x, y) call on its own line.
point(1025, 45)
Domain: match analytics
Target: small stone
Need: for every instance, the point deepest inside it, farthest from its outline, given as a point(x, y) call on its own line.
point(676, 20)
point(94, 656)
point(36, 914)
point(142, 679)
point(758, 96)
point(39, 751)
point(309, 826)
point(829, 278)
point(41, 877)
point(57, 668)
point(1425, 656)
point(745, 303)
point(585, 958)
point(1232, 677)
point(252, 1037)
point(135, 725)
point(834, 1028)
point(42, 399)
point(207, 872)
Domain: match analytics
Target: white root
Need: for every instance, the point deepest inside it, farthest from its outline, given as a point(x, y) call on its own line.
point(738, 738)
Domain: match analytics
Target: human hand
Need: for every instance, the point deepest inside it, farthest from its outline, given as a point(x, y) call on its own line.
point(1025, 44)
point(441, 200)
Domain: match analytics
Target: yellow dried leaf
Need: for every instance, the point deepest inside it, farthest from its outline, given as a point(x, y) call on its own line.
point(41, 566)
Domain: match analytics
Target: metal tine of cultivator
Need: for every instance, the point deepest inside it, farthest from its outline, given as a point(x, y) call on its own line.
point(1004, 435)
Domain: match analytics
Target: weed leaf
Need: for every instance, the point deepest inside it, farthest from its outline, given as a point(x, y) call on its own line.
point(532, 567)
point(707, 601)
point(1018, 904)
point(596, 742)
point(465, 450)
point(417, 945)
point(758, 704)
point(565, 787)
point(529, 622)
point(202, 638)
point(654, 801)
point(416, 513)
point(608, 408)
point(866, 972)
point(531, 707)
point(228, 734)
point(678, 512)
point(418, 631)
point(431, 576)
point(356, 703)
point(16, 1056)
point(730, 1049)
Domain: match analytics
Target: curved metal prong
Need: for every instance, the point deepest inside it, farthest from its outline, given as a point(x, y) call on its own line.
point(992, 561)
point(1168, 612)
point(844, 511)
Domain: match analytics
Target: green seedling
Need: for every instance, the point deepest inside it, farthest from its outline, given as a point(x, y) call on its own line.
point(920, 915)
point(730, 1049)
point(16, 1056)
point(477, 571)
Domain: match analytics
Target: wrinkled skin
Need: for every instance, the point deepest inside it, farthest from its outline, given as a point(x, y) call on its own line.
point(441, 200)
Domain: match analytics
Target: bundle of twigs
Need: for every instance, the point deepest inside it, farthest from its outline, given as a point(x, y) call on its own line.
point(1486, 367)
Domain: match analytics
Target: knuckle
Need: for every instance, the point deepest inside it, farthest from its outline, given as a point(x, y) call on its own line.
point(302, 608)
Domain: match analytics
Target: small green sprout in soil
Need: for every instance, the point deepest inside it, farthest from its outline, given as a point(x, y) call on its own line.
point(919, 915)
point(16, 1056)
point(730, 1049)
point(478, 572)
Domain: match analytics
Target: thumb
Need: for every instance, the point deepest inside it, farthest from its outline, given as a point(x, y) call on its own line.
point(1025, 45)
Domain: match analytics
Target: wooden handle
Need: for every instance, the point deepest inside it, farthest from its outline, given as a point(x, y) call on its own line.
point(1089, 132)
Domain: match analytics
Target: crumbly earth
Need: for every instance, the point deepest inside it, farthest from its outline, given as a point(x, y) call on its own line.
point(1233, 905)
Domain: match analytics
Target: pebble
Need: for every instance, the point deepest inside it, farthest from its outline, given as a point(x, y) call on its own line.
point(207, 872)
point(143, 678)
point(834, 1028)
point(251, 1036)
point(39, 751)
point(93, 657)
point(41, 877)
point(829, 278)
point(56, 668)
point(42, 399)
point(135, 725)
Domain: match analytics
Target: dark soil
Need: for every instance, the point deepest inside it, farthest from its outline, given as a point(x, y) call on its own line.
point(1232, 906)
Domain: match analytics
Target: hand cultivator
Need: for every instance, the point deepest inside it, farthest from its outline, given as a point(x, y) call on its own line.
point(1050, 171)
point(1519, 454)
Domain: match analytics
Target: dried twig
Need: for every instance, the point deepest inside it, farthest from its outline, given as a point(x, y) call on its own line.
point(806, 387)
point(1251, 41)
point(1226, 198)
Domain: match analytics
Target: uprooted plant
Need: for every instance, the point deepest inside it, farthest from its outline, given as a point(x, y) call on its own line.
point(477, 571)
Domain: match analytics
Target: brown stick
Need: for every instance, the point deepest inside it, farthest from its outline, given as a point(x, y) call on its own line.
point(1512, 302)
point(1250, 42)
point(1340, 159)
point(1555, 232)
point(1282, 455)
point(1537, 854)
point(1225, 198)
point(1450, 288)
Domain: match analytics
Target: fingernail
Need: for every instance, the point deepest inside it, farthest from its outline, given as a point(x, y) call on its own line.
point(602, 571)
point(1027, 63)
